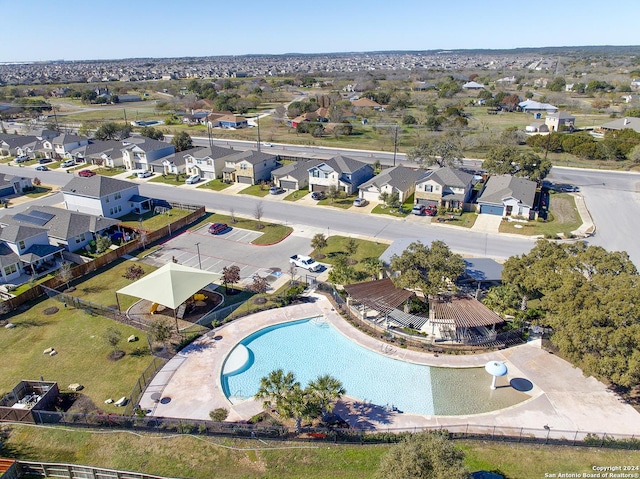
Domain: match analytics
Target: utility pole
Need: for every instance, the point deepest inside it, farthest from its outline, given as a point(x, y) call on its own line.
point(258, 122)
point(395, 144)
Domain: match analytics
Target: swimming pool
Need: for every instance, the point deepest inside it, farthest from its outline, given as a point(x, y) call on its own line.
point(312, 347)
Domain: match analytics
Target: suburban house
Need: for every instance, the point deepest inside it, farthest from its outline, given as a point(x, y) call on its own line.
point(232, 122)
point(42, 133)
point(196, 117)
point(537, 126)
point(107, 153)
point(560, 120)
point(172, 164)
point(208, 162)
point(16, 145)
point(139, 152)
point(472, 85)
point(309, 116)
point(537, 108)
point(249, 167)
point(445, 186)
point(367, 103)
point(507, 195)
point(70, 229)
point(30, 246)
point(399, 179)
point(343, 172)
point(622, 123)
point(62, 146)
point(293, 176)
point(13, 185)
point(106, 196)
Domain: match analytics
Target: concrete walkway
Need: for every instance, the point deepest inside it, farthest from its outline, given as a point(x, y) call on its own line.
point(562, 398)
point(587, 228)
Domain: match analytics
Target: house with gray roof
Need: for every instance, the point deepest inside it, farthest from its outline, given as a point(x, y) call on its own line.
point(208, 161)
point(507, 195)
point(70, 229)
point(61, 146)
point(343, 172)
point(30, 244)
point(445, 186)
point(139, 152)
point(105, 152)
point(106, 196)
point(560, 120)
point(14, 185)
point(398, 179)
point(16, 145)
point(293, 176)
point(249, 167)
point(622, 124)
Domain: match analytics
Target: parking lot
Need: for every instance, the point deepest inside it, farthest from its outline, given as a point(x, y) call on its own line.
point(199, 248)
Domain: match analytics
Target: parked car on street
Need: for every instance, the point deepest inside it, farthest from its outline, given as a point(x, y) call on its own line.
point(192, 180)
point(86, 173)
point(360, 202)
point(67, 163)
point(42, 168)
point(217, 228)
point(317, 195)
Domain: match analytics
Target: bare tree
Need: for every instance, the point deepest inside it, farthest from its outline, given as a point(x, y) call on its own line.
point(64, 273)
point(257, 214)
point(232, 215)
point(259, 285)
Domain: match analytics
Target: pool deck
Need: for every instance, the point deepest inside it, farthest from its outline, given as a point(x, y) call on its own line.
point(561, 397)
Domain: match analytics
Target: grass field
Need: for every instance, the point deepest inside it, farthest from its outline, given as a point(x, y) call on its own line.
point(255, 190)
point(564, 219)
point(336, 247)
point(215, 185)
point(152, 221)
point(215, 457)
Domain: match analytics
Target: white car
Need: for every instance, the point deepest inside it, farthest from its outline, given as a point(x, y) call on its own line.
point(267, 144)
point(144, 174)
point(193, 179)
point(68, 163)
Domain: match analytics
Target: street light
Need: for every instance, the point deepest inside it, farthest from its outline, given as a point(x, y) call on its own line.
point(199, 262)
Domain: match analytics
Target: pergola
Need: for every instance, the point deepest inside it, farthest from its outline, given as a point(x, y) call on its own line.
point(462, 313)
point(170, 285)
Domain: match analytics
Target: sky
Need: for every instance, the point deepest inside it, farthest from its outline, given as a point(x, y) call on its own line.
point(42, 30)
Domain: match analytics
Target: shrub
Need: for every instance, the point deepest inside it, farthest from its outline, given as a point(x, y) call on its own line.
point(134, 272)
point(219, 414)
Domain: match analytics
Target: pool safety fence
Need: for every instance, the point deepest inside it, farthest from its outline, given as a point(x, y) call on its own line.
point(543, 435)
point(141, 384)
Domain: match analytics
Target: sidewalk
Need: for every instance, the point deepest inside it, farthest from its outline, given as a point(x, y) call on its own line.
point(588, 228)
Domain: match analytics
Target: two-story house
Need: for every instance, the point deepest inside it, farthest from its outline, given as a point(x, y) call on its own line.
point(107, 153)
point(507, 195)
point(343, 172)
point(445, 186)
point(399, 179)
point(30, 244)
point(106, 196)
point(70, 229)
point(293, 176)
point(16, 145)
point(62, 146)
point(139, 152)
point(208, 162)
point(249, 167)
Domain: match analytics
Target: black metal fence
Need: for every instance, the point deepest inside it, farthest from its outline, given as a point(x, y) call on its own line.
point(141, 384)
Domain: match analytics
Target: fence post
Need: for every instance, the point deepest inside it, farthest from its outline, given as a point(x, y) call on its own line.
point(575, 437)
point(520, 437)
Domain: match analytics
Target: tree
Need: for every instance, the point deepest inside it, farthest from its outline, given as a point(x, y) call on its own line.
point(257, 214)
point(160, 330)
point(65, 274)
point(36, 181)
point(438, 151)
point(591, 299)
point(392, 199)
point(182, 141)
point(259, 284)
point(333, 193)
point(373, 266)
point(557, 84)
point(112, 131)
point(276, 388)
point(508, 160)
point(503, 299)
point(102, 243)
point(113, 337)
point(351, 247)
point(409, 120)
point(318, 242)
point(151, 132)
point(427, 455)
point(230, 276)
point(326, 390)
point(430, 269)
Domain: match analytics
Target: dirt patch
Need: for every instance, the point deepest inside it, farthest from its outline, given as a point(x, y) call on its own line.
point(50, 311)
point(352, 261)
point(259, 300)
point(319, 256)
point(116, 355)
point(563, 209)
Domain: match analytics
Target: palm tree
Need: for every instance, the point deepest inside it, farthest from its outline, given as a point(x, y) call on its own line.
point(326, 389)
point(275, 390)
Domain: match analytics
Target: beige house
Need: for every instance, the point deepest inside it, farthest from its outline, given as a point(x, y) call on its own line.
point(399, 179)
point(249, 167)
point(556, 121)
point(445, 186)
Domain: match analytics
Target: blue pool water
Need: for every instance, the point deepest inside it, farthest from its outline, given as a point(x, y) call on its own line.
point(310, 348)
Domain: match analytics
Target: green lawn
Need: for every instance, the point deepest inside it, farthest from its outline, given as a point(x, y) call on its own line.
point(336, 247)
point(38, 192)
point(152, 221)
point(296, 195)
point(172, 179)
point(465, 220)
point(344, 203)
point(271, 232)
point(104, 171)
point(563, 219)
point(192, 457)
point(386, 210)
point(215, 185)
point(256, 190)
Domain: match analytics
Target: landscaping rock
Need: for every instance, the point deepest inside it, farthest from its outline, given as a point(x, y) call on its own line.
point(132, 339)
point(10, 326)
point(47, 351)
point(53, 353)
point(76, 387)
point(122, 401)
point(109, 401)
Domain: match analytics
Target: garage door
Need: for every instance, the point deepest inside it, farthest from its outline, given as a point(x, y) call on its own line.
point(289, 185)
point(319, 187)
point(370, 196)
point(7, 190)
point(426, 202)
point(209, 175)
point(244, 179)
point(492, 210)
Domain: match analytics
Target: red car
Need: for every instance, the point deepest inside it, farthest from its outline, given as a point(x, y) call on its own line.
point(431, 211)
point(217, 228)
point(86, 173)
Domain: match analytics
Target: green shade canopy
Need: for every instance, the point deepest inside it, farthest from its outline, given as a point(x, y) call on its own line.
point(170, 285)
